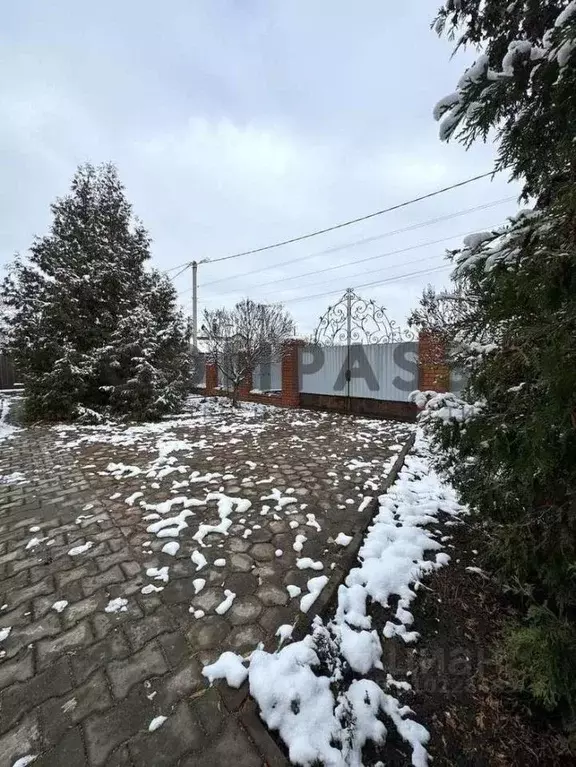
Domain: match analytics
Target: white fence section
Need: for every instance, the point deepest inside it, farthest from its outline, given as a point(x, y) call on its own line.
point(223, 381)
point(386, 371)
point(458, 381)
point(199, 370)
point(267, 376)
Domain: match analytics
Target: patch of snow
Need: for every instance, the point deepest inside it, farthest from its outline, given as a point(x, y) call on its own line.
point(281, 501)
point(118, 605)
point(315, 586)
point(25, 760)
point(284, 632)
point(230, 667)
point(157, 722)
point(132, 498)
point(33, 542)
point(294, 591)
point(159, 573)
point(299, 542)
point(199, 560)
point(342, 539)
point(76, 550)
point(226, 604)
point(151, 588)
point(62, 604)
point(365, 503)
point(219, 563)
point(307, 563)
point(311, 521)
point(171, 548)
point(5, 633)
point(198, 584)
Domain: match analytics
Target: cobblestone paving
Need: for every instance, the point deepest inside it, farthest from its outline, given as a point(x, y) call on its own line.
point(83, 521)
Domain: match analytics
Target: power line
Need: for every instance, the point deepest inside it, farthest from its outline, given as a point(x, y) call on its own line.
point(351, 263)
point(364, 241)
point(181, 272)
point(369, 284)
point(353, 220)
point(346, 223)
point(372, 271)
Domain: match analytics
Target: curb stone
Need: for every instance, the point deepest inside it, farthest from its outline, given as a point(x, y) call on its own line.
point(238, 702)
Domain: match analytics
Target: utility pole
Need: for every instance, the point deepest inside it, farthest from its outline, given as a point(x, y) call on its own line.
point(195, 304)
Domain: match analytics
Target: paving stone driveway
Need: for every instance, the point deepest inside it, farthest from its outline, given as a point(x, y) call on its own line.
point(84, 515)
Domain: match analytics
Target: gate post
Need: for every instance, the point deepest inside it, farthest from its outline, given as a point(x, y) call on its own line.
point(433, 370)
point(291, 373)
point(211, 380)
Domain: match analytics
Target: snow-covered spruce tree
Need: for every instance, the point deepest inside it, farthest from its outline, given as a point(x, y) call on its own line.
point(511, 449)
point(91, 330)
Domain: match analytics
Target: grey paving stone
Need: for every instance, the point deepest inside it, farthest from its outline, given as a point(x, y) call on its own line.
point(92, 583)
point(22, 740)
point(17, 670)
point(146, 663)
point(69, 752)
point(103, 733)
point(26, 696)
point(232, 740)
point(99, 654)
point(141, 631)
point(89, 698)
point(179, 735)
point(48, 649)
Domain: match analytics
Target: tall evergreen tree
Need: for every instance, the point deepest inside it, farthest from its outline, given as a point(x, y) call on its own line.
point(511, 448)
point(92, 330)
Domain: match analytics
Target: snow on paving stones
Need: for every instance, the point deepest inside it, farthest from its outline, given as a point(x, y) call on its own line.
point(314, 586)
point(157, 722)
point(198, 584)
point(199, 560)
point(342, 539)
point(59, 606)
point(226, 604)
point(118, 605)
point(77, 550)
point(307, 563)
point(221, 494)
point(229, 667)
point(328, 719)
point(158, 573)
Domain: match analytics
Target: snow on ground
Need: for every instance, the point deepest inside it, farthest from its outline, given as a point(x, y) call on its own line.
point(322, 717)
point(7, 431)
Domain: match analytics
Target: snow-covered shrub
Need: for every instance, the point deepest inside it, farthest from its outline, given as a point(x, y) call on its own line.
point(511, 451)
point(91, 330)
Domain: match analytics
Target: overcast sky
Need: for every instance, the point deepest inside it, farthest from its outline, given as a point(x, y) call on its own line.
point(237, 124)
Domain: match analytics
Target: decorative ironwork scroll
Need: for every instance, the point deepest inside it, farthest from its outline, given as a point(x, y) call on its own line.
point(357, 320)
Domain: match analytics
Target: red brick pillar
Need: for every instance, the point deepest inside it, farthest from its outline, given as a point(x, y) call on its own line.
point(433, 370)
point(290, 373)
point(211, 379)
point(245, 385)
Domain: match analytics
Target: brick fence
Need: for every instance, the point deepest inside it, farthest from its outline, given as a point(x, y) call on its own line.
point(433, 373)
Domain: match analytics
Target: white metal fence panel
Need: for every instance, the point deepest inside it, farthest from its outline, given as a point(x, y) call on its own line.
point(458, 381)
point(377, 371)
point(223, 381)
point(384, 371)
point(321, 369)
point(267, 376)
point(199, 370)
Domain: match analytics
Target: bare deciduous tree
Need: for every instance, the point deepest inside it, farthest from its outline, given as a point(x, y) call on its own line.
point(238, 339)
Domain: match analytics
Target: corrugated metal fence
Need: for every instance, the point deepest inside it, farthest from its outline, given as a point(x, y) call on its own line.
point(386, 371)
